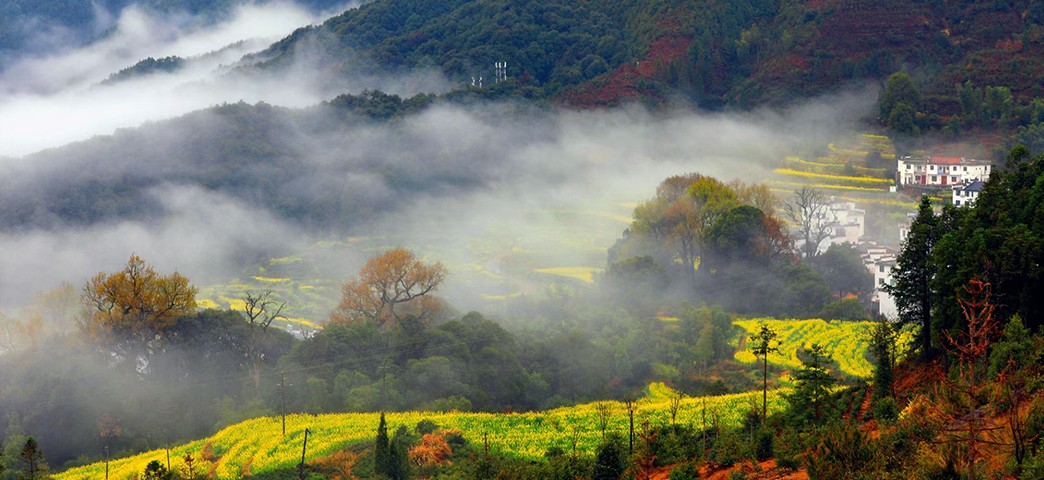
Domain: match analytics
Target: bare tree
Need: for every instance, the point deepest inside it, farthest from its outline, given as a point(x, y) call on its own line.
point(971, 348)
point(261, 310)
point(604, 410)
point(810, 214)
point(675, 405)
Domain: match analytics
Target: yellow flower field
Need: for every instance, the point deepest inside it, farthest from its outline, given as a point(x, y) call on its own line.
point(525, 435)
point(584, 274)
point(835, 178)
point(844, 341)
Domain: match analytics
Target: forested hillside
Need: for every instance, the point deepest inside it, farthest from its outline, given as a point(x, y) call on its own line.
point(722, 53)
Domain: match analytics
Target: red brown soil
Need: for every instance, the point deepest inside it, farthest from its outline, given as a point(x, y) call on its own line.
point(765, 471)
point(624, 82)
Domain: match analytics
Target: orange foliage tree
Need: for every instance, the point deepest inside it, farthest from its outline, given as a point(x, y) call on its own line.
point(432, 451)
point(136, 305)
point(390, 287)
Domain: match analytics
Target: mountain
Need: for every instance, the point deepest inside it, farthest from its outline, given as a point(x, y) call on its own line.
point(43, 26)
point(714, 54)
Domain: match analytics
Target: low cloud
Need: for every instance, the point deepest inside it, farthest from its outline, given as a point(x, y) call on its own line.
point(56, 99)
point(204, 235)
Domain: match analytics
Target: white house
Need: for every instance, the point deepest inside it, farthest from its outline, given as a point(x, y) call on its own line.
point(967, 194)
point(880, 260)
point(940, 171)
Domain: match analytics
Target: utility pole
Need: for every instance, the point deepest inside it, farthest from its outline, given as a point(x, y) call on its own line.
point(282, 401)
point(106, 462)
point(168, 456)
point(304, 447)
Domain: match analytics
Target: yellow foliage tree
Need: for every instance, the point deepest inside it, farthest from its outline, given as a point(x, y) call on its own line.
point(137, 303)
point(390, 286)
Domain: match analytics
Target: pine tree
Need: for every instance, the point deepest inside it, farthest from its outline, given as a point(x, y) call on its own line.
point(382, 450)
point(32, 459)
point(763, 345)
point(398, 455)
point(882, 340)
point(813, 384)
point(911, 279)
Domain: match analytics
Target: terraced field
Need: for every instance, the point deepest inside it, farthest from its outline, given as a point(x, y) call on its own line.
point(256, 446)
point(844, 341)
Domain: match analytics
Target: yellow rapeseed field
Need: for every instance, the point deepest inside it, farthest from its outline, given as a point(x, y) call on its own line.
point(260, 443)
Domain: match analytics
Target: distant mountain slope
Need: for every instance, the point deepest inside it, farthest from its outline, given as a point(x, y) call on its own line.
point(44, 25)
point(713, 53)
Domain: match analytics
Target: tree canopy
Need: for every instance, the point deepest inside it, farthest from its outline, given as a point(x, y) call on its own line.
point(137, 302)
point(393, 280)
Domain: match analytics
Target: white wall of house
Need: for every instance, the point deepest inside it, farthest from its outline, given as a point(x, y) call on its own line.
point(921, 171)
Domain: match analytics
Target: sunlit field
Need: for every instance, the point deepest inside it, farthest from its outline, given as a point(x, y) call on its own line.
point(258, 445)
point(845, 342)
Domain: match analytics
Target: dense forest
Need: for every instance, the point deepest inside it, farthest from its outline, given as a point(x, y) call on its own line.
point(728, 53)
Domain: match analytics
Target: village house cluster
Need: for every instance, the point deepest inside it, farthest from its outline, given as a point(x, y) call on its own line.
point(964, 176)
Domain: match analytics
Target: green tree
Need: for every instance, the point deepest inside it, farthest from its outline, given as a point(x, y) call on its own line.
point(156, 471)
point(899, 89)
point(842, 268)
point(764, 342)
point(881, 341)
point(32, 460)
point(912, 276)
point(398, 455)
point(902, 120)
point(382, 449)
point(610, 459)
point(813, 382)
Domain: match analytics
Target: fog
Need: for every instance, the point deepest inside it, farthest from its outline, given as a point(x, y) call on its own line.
point(558, 184)
point(51, 100)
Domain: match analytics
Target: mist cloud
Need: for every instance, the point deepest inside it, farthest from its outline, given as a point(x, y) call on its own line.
point(204, 235)
point(438, 181)
point(57, 99)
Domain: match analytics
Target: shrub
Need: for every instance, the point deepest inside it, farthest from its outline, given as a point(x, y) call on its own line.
point(885, 410)
point(610, 460)
point(789, 450)
point(841, 452)
point(763, 440)
point(729, 448)
point(425, 427)
point(685, 471)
